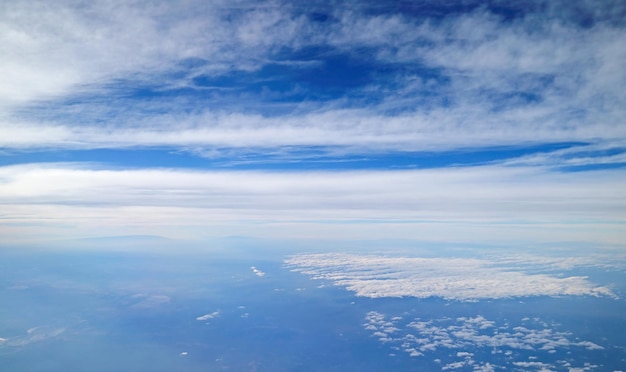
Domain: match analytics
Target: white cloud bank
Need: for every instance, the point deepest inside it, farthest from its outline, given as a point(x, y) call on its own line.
point(463, 279)
point(482, 203)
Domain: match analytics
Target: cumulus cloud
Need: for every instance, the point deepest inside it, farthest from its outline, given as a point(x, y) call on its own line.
point(257, 272)
point(470, 336)
point(463, 279)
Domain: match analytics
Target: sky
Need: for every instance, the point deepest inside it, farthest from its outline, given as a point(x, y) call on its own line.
point(466, 122)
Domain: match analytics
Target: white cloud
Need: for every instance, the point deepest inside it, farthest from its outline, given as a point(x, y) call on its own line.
point(574, 156)
point(486, 367)
point(68, 51)
point(54, 51)
point(148, 301)
point(455, 365)
point(419, 338)
point(34, 334)
point(496, 193)
point(463, 279)
point(257, 272)
point(484, 55)
point(486, 203)
point(208, 316)
point(364, 129)
point(82, 54)
point(589, 345)
point(531, 365)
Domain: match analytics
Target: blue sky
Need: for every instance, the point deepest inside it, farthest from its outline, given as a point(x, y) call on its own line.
point(481, 122)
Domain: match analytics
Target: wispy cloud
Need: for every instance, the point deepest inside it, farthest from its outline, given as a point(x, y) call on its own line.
point(208, 316)
point(35, 334)
point(145, 301)
point(63, 50)
point(467, 79)
point(577, 156)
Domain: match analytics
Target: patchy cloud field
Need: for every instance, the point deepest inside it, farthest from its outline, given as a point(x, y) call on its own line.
point(511, 347)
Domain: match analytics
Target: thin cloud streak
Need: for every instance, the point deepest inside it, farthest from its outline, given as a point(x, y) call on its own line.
point(357, 129)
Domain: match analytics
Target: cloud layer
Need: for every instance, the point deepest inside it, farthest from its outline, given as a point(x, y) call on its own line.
point(531, 201)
